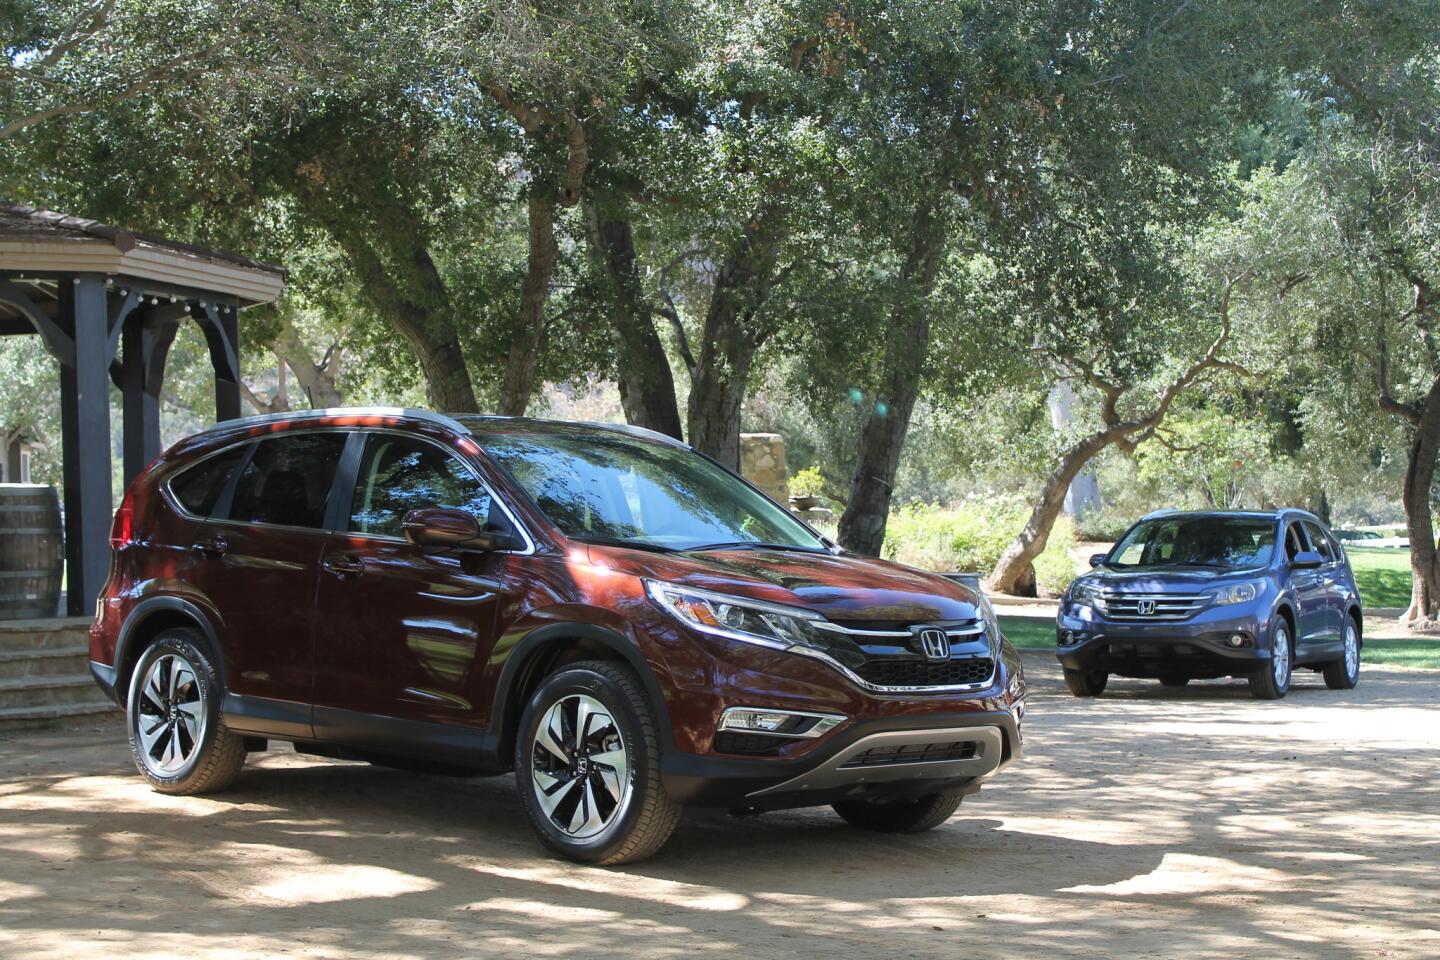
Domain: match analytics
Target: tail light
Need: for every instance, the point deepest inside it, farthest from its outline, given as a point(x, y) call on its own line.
point(123, 529)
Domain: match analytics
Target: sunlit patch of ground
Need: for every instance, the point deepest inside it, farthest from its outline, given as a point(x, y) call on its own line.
point(1148, 823)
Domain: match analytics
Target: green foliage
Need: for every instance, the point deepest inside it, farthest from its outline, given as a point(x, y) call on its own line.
point(809, 482)
point(1029, 633)
point(970, 537)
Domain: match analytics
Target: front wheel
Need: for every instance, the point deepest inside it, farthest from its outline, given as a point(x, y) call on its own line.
point(587, 763)
point(901, 816)
point(177, 736)
point(1273, 681)
point(1344, 673)
point(1086, 683)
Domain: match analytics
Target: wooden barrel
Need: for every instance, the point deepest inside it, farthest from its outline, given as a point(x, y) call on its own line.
point(32, 553)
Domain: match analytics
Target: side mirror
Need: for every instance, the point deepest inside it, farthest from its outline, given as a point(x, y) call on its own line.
point(446, 527)
point(1096, 559)
point(1307, 560)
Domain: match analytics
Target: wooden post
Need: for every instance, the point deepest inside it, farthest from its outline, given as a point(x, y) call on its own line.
point(145, 345)
point(85, 426)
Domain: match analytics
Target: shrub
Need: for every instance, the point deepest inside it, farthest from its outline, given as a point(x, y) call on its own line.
point(970, 538)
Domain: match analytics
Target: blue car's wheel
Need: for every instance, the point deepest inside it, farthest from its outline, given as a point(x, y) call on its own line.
point(1273, 680)
point(1344, 673)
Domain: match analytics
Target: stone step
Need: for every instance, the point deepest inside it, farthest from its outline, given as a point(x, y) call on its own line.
point(15, 718)
point(48, 691)
point(44, 662)
point(35, 634)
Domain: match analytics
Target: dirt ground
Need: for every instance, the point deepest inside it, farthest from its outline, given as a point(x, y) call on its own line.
point(1149, 823)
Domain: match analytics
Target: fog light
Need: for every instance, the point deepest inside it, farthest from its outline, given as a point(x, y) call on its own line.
point(1067, 638)
point(779, 723)
point(1239, 640)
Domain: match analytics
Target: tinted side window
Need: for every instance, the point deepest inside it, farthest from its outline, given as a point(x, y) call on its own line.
point(198, 487)
point(398, 474)
point(288, 479)
point(1294, 541)
point(1319, 541)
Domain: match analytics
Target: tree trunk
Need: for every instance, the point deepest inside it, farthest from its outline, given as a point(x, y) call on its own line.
point(730, 339)
point(412, 297)
point(907, 343)
point(318, 380)
point(1014, 572)
point(518, 384)
point(1419, 477)
point(647, 387)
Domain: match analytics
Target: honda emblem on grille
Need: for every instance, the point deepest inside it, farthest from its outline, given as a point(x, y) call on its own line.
point(934, 643)
point(1144, 607)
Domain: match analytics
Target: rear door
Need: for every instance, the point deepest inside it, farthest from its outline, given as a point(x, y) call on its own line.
point(256, 562)
point(403, 632)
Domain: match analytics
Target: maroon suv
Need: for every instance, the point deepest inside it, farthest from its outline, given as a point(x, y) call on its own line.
point(620, 620)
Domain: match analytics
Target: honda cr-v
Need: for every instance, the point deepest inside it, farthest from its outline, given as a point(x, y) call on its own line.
point(1184, 596)
point(624, 623)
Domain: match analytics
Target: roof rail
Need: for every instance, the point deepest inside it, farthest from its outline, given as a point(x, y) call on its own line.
point(598, 424)
point(414, 414)
point(1162, 512)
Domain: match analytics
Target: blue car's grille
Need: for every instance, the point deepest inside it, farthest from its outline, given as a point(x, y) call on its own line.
point(1152, 606)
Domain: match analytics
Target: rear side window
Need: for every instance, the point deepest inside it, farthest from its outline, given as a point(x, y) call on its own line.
point(199, 487)
point(287, 481)
point(398, 474)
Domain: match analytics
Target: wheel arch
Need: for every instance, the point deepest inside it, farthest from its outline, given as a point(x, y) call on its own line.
point(1286, 613)
point(546, 648)
point(1353, 612)
point(146, 621)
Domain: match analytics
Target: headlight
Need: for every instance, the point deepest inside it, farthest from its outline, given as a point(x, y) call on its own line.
point(1238, 592)
point(1087, 594)
point(752, 621)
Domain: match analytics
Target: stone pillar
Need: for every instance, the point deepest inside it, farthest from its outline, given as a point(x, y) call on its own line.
point(762, 462)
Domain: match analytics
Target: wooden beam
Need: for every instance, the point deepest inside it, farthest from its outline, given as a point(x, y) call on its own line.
point(85, 428)
point(56, 339)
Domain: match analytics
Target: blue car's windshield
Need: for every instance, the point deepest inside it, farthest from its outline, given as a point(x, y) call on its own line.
point(603, 486)
point(1225, 542)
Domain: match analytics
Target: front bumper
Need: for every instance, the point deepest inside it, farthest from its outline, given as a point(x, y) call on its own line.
point(885, 756)
point(1199, 647)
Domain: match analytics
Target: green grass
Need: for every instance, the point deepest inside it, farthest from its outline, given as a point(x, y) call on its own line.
point(1417, 654)
point(1383, 576)
point(1029, 632)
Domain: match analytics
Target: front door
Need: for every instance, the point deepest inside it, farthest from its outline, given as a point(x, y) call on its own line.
point(1332, 580)
point(403, 632)
point(256, 561)
point(1308, 587)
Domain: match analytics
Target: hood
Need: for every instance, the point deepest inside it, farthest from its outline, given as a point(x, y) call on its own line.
point(1167, 579)
point(844, 587)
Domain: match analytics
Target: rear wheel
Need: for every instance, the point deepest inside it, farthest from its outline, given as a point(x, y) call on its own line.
point(1273, 680)
point(1086, 683)
point(912, 815)
point(587, 762)
point(177, 736)
point(1344, 673)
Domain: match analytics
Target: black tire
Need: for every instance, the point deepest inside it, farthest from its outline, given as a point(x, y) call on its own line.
point(1344, 674)
point(213, 760)
point(644, 818)
point(1265, 684)
point(911, 815)
point(1174, 681)
point(1086, 683)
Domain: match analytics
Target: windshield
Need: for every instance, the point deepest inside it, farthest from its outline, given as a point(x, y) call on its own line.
point(600, 487)
point(1229, 542)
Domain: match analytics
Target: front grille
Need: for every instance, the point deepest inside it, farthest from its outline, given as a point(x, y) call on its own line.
point(913, 753)
point(1159, 606)
point(926, 673)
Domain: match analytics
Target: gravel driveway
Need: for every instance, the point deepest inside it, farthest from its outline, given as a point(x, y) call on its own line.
point(1150, 823)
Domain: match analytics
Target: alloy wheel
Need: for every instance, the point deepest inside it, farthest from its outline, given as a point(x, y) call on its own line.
point(1280, 656)
point(579, 767)
point(170, 717)
point(1352, 650)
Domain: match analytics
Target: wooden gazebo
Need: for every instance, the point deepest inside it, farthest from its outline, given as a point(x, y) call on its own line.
point(107, 303)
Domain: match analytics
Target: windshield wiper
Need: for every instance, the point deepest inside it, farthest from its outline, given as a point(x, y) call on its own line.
point(621, 542)
point(754, 545)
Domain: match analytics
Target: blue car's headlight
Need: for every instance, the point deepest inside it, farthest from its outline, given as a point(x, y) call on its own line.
point(1238, 592)
point(1086, 594)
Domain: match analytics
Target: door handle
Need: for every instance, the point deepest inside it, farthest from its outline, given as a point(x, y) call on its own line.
point(214, 547)
point(344, 565)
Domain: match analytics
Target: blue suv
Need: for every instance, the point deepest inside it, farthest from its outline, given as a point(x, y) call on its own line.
point(1190, 596)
